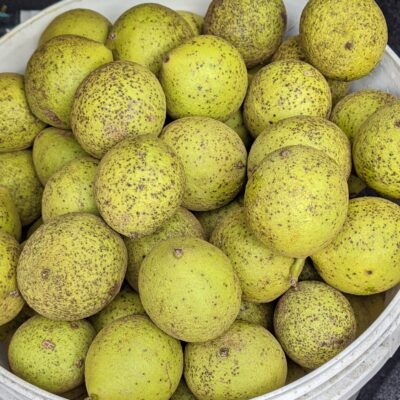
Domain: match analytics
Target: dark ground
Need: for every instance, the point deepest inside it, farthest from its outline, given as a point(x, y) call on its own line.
point(386, 384)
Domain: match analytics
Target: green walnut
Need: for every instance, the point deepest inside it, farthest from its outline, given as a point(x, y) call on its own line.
point(294, 372)
point(182, 224)
point(375, 151)
point(19, 177)
point(257, 313)
point(353, 110)
point(210, 219)
point(254, 28)
point(366, 309)
point(126, 302)
point(285, 89)
point(291, 49)
point(315, 132)
point(80, 22)
point(77, 261)
point(18, 126)
point(309, 273)
point(11, 301)
point(144, 33)
point(183, 392)
point(52, 149)
point(9, 218)
point(339, 89)
point(116, 101)
point(179, 272)
point(263, 275)
point(71, 189)
point(7, 330)
point(314, 322)
point(51, 354)
point(356, 186)
point(363, 258)
point(245, 362)
point(139, 185)
point(296, 201)
point(54, 73)
point(236, 122)
point(146, 362)
point(206, 77)
point(213, 158)
point(34, 227)
point(344, 39)
point(195, 21)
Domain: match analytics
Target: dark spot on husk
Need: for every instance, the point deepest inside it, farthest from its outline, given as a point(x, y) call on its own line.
point(53, 117)
point(285, 153)
point(239, 165)
point(224, 352)
point(178, 253)
point(45, 273)
point(48, 344)
point(348, 46)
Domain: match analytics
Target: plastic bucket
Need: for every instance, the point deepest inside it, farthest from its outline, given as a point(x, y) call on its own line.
point(343, 376)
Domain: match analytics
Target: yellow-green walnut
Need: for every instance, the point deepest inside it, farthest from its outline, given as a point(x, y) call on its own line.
point(366, 309)
point(71, 189)
point(80, 22)
point(11, 301)
point(195, 21)
point(52, 149)
point(138, 203)
point(291, 49)
point(116, 101)
point(126, 302)
point(375, 151)
point(210, 219)
point(182, 224)
point(285, 89)
point(75, 260)
point(9, 218)
point(353, 110)
point(245, 362)
point(263, 275)
point(51, 354)
point(206, 76)
point(236, 122)
point(296, 201)
point(363, 258)
point(314, 322)
point(146, 362)
point(206, 291)
point(144, 33)
point(257, 313)
point(18, 126)
point(315, 132)
point(344, 39)
point(19, 177)
point(54, 72)
point(254, 28)
point(213, 158)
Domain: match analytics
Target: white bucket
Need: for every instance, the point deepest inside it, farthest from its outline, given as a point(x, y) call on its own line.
point(343, 376)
